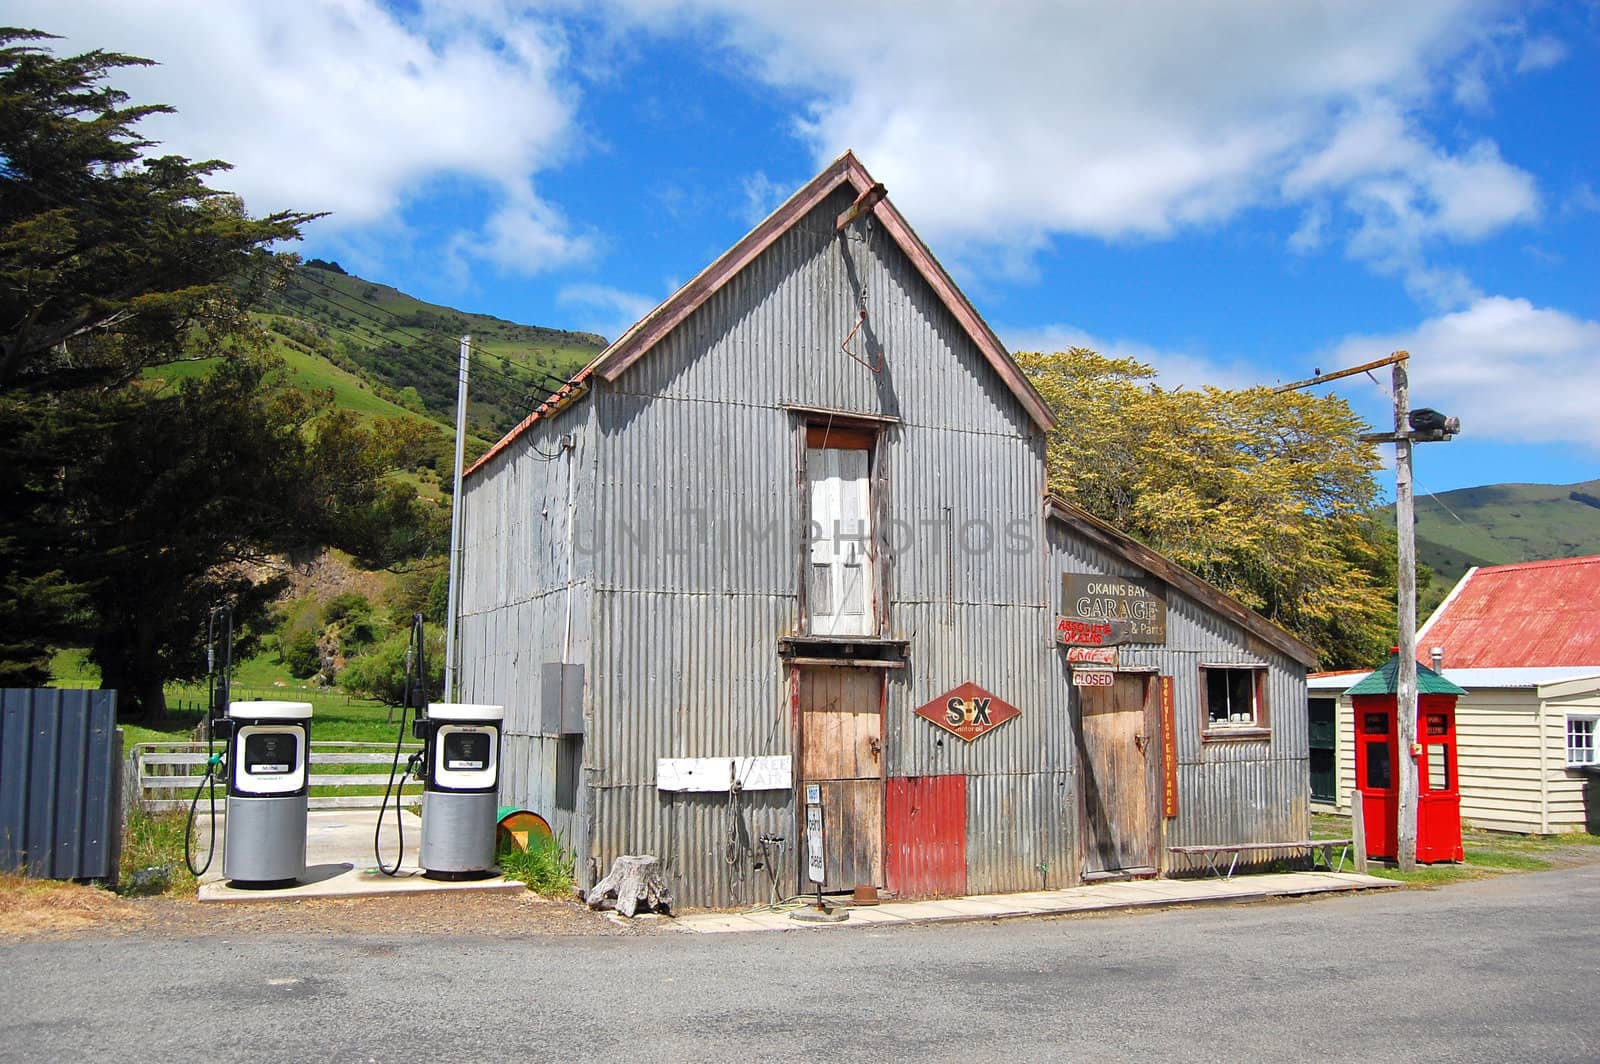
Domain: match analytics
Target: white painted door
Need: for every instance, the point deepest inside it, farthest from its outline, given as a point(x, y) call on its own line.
point(840, 598)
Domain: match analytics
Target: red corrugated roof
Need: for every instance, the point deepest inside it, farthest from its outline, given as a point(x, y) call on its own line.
point(1528, 615)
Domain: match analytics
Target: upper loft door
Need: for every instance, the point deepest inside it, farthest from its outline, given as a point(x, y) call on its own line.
point(840, 586)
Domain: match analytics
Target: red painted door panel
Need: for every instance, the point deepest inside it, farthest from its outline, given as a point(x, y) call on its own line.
point(925, 852)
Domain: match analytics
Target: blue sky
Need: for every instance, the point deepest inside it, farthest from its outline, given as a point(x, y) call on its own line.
point(1236, 192)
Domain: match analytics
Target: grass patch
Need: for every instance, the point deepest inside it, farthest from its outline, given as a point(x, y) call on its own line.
point(152, 852)
point(1488, 853)
point(546, 866)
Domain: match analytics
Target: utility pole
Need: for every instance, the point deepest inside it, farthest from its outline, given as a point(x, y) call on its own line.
point(455, 525)
point(1427, 426)
point(1406, 673)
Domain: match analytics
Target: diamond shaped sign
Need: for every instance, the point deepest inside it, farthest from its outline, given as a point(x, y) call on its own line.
point(968, 711)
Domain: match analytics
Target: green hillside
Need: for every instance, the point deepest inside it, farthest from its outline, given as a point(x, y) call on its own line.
point(1503, 523)
point(386, 353)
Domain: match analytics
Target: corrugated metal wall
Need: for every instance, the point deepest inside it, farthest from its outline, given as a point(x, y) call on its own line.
point(60, 783)
point(700, 484)
point(689, 506)
point(1256, 790)
point(528, 533)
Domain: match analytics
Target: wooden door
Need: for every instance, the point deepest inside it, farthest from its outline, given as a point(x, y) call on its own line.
point(1118, 755)
point(841, 750)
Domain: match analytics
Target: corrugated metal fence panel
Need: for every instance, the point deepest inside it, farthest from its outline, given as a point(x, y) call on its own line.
point(60, 783)
point(1021, 832)
point(925, 836)
point(686, 676)
point(694, 836)
point(1240, 801)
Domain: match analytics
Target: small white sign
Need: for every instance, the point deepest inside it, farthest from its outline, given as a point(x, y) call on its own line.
point(711, 774)
point(814, 869)
point(1093, 678)
point(813, 794)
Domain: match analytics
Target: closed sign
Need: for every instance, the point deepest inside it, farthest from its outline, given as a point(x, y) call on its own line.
point(1092, 678)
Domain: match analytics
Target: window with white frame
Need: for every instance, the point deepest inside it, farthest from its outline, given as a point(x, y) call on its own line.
point(840, 598)
point(1582, 731)
point(1234, 697)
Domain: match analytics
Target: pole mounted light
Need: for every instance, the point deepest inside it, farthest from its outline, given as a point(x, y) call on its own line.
point(1423, 425)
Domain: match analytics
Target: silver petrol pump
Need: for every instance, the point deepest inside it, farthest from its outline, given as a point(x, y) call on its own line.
point(459, 766)
point(461, 788)
point(264, 833)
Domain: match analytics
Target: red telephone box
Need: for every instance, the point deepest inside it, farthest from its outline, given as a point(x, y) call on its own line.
point(1378, 759)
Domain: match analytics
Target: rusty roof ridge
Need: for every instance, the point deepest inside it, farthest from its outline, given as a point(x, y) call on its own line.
point(643, 336)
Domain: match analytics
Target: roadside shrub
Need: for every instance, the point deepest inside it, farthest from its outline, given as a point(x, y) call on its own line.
point(546, 866)
point(152, 852)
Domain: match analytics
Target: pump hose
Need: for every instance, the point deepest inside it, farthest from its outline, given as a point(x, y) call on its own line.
point(210, 778)
point(399, 821)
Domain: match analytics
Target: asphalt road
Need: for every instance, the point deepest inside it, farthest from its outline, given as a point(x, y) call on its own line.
point(1496, 970)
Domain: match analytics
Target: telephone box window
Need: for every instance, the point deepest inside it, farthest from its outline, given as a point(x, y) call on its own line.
point(1438, 724)
point(1438, 767)
point(1378, 774)
point(1375, 723)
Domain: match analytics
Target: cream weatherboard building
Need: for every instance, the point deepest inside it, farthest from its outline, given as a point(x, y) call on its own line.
point(1524, 641)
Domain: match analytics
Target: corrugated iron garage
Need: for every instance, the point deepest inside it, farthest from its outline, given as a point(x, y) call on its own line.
point(792, 531)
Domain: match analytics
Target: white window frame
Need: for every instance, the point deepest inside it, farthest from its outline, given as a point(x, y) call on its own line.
point(841, 542)
point(1591, 719)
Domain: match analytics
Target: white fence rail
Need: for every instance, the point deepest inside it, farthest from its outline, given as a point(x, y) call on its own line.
point(164, 775)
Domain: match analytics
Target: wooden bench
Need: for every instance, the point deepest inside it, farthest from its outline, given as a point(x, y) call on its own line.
point(1212, 854)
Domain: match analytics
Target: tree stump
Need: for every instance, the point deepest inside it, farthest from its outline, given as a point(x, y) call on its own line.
point(632, 881)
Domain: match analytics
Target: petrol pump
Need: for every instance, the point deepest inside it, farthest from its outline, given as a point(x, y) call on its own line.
point(1375, 702)
point(459, 766)
point(264, 835)
point(264, 762)
point(461, 788)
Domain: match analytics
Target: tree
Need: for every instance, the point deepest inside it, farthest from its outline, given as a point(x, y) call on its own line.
point(133, 504)
point(1268, 496)
point(380, 673)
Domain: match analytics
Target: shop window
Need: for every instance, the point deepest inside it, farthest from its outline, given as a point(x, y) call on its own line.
point(1581, 740)
point(1235, 699)
point(840, 592)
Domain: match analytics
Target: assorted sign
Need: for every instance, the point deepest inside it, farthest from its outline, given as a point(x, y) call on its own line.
point(968, 711)
point(1116, 609)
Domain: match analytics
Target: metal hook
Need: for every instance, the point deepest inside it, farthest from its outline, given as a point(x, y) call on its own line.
point(845, 345)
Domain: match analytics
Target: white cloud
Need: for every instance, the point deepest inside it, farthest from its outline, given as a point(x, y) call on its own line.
point(1510, 370)
point(1174, 369)
point(1005, 125)
point(1540, 53)
point(608, 311)
point(1409, 196)
point(344, 106)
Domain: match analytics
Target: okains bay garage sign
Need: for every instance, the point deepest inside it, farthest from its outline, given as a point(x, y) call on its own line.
point(1109, 610)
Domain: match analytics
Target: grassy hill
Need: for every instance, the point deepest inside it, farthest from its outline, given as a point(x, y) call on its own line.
point(384, 352)
point(1503, 523)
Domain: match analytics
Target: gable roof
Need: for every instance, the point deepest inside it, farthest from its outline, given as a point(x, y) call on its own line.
point(845, 171)
point(1531, 614)
point(1174, 575)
